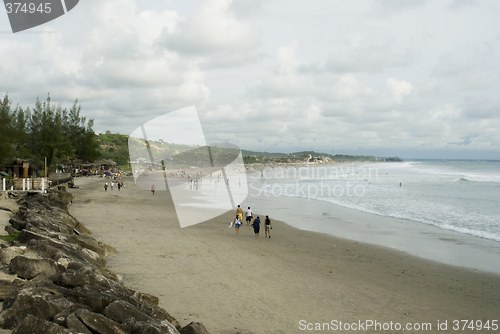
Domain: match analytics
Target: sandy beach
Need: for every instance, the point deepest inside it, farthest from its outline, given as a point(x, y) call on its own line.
point(257, 285)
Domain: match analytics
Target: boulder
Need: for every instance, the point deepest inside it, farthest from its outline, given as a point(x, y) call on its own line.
point(158, 313)
point(72, 278)
point(121, 311)
point(18, 222)
point(10, 229)
point(100, 324)
point(23, 305)
point(34, 325)
point(75, 325)
point(92, 244)
point(28, 268)
point(147, 297)
point(155, 327)
point(194, 328)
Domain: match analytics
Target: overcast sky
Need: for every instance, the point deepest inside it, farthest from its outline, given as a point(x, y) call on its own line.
point(414, 78)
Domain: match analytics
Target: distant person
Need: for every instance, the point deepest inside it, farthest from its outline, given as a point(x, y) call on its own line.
point(249, 216)
point(239, 213)
point(237, 225)
point(119, 185)
point(153, 189)
point(400, 184)
point(268, 226)
point(106, 186)
point(112, 184)
point(256, 226)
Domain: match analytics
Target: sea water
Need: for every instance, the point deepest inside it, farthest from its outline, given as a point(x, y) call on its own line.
point(462, 197)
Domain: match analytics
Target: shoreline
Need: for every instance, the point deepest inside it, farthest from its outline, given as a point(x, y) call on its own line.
point(423, 239)
point(251, 285)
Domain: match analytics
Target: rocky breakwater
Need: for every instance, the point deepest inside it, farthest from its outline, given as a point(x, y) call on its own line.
point(54, 279)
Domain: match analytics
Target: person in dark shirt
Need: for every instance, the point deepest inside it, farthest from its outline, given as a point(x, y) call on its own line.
point(256, 226)
point(268, 226)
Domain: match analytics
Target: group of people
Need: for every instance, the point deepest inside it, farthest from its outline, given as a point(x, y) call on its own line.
point(119, 184)
point(256, 223)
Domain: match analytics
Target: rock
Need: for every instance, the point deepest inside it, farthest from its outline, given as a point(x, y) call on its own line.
point(66, 197)
point(29, 268)
point(162, 327)
point(121, 311)
point(11, 229)
point(17, 222)
point(100, 324)
point(158, 313)
point(7, 254)
point(92, 244)
point(23, 305)
point(75, 325)
point(98, 298)
point(147, 297)
point(72, 278)
point(55, 203)
point(194, 328)
point(33, 325)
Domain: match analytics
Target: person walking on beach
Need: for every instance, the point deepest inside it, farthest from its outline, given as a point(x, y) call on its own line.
point(112, 184)
point(239, 213)
point(268, 226)
point(249, 216)
point(153, 189)
point(119, 185)
point(256, 226)
point(237, 225)
point(106, 186)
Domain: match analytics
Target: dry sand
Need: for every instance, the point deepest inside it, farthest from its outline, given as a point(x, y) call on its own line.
point(205, 273)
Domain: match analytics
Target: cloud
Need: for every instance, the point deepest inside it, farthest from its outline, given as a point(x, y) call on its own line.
point(458, 4)
point(398, 89)
point(466, 140)
point(370, 54)
point(219, 27)
point(398, 5)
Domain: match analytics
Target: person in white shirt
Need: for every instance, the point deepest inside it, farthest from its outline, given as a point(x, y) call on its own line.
point(249, 216)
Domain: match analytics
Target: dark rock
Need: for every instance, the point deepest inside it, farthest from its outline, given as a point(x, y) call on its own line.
point(121, 311)
point(92, 244)
point(34, 325)
point(156, 327)
point(194, 328)
point(72, 278)
point(55, 203)
point(29, 268)
point(98, 298)
point(60, 318)
point(18, 222)
point(23, 305)
point(100, 324)
point(75, 325)
point(147, 297)
point(11, 229)
point(6, 289)
point(158, 313)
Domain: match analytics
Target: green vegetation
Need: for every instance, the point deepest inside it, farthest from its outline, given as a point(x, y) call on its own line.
point(114, 146)
point(10, 237)
point(46, 131)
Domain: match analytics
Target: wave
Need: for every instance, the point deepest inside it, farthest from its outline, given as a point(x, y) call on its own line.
point(442, 225)
point(462, 176)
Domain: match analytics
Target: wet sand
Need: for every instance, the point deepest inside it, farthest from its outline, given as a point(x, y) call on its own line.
point(257, 285)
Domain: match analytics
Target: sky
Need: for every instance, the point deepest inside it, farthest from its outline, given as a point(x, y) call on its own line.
point(413, 78)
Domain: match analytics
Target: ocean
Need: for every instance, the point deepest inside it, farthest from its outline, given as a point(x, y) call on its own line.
point(449, 208)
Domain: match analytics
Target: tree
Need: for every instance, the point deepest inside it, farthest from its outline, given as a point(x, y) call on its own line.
point(6, 133)
point(46, 131)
